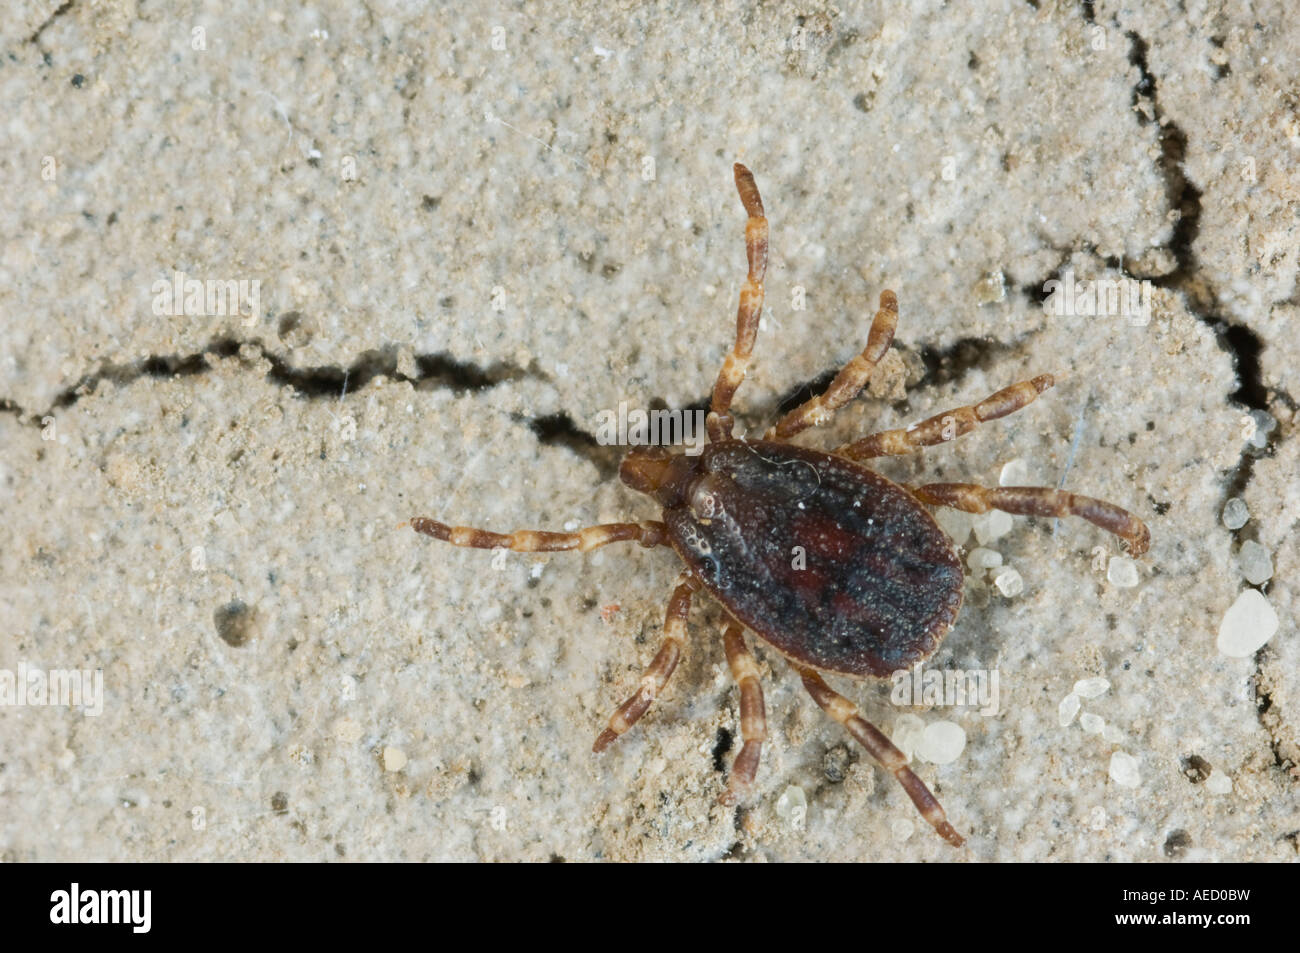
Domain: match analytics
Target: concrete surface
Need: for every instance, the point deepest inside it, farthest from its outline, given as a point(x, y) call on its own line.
point(474, 228)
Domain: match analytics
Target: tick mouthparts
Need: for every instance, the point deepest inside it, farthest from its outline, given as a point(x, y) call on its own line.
point(657, 472)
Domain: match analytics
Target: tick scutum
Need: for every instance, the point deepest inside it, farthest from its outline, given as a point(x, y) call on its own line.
point(833, 564)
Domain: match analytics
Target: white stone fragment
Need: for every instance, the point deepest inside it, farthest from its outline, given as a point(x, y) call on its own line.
point(1235, 513)
point(992, 287)
point(908, 730)
point(394, 759)
point(1124, 769)
point(792, 805)
point(903, 829)
point(1247, 625)
point(1014, 473)
point(1255, 563)
point(1112, 735)
point(955, 523)
point(942, 742)
point(1264, 424)
point(991, 526)
point(1097, 820)
point(1091, 687)
point(1009, 582)
point(1218, 783)
point(1068, 708)
point(980, 559)
point(1122, 572)
point(1092, 724)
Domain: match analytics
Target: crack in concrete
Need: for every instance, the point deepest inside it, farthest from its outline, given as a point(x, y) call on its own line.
point(1203, 302)
point(433, 371)
point(948, 365)
point(1270, 719)
point(60, 11)
point(1203, 299)
point(1187, 277)
point(559, 430)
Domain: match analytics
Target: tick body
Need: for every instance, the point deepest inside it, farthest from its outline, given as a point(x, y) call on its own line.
point(829, 562)
point(838, 569)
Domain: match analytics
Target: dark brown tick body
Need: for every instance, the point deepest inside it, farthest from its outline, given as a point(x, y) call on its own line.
point(836, 567)
point(826, 560)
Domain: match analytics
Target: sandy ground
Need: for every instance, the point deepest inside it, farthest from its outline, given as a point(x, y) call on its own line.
point(464, 233)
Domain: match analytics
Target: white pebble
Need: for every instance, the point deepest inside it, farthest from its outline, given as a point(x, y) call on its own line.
point(1091, 723)
point(903, 829)
point(1014, 473)
point(1218, 783)
point(1122, 572)
point(942, 742)
point(1068, 708)
point(394, 759)
point(1112, 735)
point(1009, 582)
point(1255, 563)
point(1264, 424)
point(1098, 818)
point(908, 730)
point(955, 523)
point(981, 559)
point(1124, 769)
point(1091, 687)
point(1235, 513)
point(991, 526)
point(1247, 625)
point(792, 805)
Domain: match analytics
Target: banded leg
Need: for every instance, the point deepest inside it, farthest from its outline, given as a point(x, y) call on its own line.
point(851, 378)
point(753, 718)
point(882, 749)
point(660, 669)
point(1039, 501)
point(948, 425)
point(720, 421)
point(649, 533)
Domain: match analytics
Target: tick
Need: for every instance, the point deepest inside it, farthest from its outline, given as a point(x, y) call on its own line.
point(837, 568)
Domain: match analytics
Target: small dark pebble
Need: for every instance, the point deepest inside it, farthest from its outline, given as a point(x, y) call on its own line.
point(1177, 842)
point(836, 762)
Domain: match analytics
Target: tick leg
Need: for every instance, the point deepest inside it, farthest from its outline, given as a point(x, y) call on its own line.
point(652, 682)
point(1039, 501)
point(720, 421)
point(650, 533)
point(882, 749)
point(948, 425)
point(753, 719)
point(849, 381)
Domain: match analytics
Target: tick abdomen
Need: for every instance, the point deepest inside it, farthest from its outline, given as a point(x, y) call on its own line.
point(831, 563)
